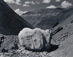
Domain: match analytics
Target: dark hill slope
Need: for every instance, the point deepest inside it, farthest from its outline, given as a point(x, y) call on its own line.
point(67, 30)
point(66, 21)
point(10, 22)
point(47, 18)
point(36, 16)
point(53, 21)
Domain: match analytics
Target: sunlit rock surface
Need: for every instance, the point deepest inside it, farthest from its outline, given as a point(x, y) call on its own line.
point(35, 39)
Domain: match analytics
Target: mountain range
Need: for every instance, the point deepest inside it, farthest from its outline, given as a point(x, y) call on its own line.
point(47, 18)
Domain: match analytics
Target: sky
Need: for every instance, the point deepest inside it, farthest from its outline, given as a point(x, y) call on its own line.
point(23, 6)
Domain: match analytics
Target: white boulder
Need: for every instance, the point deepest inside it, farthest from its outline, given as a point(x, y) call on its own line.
point(34, 39)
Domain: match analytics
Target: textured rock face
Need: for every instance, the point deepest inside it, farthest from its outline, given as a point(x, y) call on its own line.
point(34, 39)
point(10, 22)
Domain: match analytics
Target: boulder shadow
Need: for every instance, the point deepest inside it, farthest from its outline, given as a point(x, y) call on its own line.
point(53, 48)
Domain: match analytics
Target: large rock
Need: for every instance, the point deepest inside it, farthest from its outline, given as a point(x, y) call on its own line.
point(34, 39)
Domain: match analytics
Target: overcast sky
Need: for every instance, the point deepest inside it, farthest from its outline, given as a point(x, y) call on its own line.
point(22, 6)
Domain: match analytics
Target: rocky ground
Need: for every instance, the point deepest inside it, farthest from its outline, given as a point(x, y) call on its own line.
point(62, 45)
point(20, 52)
point(11, 24)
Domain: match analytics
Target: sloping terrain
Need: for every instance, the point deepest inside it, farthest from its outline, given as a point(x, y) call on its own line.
point(47, 18)
point(10, 22)
point(38, 15)
point(67, 30)
point(63, 38)
point(55, 20)
point(65, 49)
point(67, 21)
point(63, 34)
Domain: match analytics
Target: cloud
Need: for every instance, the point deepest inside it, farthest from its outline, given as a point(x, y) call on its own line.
point(19, 12)
point(13, 1)
point(28, 3)
point(66, 4)
point(57, 0)
point(18, 2)
point(46, 1)
point(51, 6)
